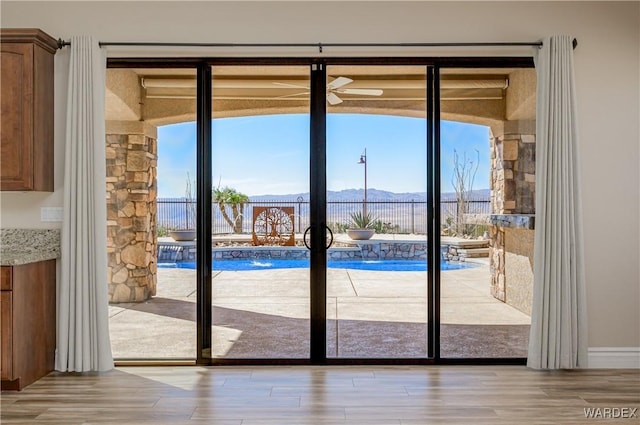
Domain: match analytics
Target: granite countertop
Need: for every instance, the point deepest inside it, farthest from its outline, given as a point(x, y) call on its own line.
point(23, 246)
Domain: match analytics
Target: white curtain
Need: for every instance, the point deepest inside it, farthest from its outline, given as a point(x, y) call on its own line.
point(83, 342)
point(558, 338)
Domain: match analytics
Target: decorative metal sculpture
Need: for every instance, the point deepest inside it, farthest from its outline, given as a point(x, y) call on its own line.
point(273, 226)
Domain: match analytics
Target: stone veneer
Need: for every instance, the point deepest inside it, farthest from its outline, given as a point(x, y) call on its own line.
point(512, 184)
point(131, 211)
point(513, 169)
point(175, 252)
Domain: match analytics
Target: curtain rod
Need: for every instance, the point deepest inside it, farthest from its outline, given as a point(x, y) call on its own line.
point(62, 43)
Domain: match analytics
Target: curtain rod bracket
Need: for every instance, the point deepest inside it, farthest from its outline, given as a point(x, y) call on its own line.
point(319, 47)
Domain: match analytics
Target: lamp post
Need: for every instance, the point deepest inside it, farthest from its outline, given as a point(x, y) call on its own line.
point(363, 160)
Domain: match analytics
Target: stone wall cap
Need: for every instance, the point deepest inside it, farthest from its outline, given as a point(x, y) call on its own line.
point(514, 221)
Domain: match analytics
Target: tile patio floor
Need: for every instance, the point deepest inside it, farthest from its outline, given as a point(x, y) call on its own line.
point(261, 314)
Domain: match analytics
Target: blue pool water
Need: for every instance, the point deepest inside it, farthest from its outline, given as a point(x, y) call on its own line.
point(266, 264)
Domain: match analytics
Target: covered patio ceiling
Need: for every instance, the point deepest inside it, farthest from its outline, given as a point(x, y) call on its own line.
point(487, 96)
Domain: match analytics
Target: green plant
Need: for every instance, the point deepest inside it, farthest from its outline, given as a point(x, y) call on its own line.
point(362, 221)
point(236, 201)
point(162, 231)
point(338, 227)
point(382, 227)
point(476, 230)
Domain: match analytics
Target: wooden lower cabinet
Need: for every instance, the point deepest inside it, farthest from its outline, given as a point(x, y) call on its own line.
point(27, 323)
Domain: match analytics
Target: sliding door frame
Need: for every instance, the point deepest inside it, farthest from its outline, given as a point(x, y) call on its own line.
point(318, 111)
point(204, 294)
point(318, 212)
point(433, 219)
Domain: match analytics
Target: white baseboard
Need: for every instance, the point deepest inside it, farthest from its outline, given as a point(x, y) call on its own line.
point(614, 358)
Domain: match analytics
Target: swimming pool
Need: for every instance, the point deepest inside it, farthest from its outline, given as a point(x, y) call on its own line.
point(267, 264)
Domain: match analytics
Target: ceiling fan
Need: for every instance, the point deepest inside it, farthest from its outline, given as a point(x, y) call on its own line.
point(333, 88)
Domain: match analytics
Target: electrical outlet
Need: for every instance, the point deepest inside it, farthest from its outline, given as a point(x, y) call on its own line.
point(51, 213)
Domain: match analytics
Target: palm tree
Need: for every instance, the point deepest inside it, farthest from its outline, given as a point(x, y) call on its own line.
point(236, 201)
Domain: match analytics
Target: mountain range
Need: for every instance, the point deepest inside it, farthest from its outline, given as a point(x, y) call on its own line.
point(372, 195)
point(398, 209)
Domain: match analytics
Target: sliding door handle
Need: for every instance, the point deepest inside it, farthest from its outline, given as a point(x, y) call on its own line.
point(306, 231)
point(330, 240)
point(304, 237)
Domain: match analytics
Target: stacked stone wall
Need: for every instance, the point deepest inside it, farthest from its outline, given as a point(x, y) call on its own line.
point(131, 217)
point(512, 184)
point(513, 174)
point(176, 252)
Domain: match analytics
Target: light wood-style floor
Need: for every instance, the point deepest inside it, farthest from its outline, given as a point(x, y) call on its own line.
point(363, 395)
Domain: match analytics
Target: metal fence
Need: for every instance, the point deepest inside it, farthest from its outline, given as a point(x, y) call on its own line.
point(390, 216)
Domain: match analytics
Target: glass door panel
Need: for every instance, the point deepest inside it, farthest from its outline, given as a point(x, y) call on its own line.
point(376, 207)
point(260, 210)
point(487, 170)
point(151, 169)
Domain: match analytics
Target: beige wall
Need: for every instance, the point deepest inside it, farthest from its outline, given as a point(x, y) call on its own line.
point(607, 80)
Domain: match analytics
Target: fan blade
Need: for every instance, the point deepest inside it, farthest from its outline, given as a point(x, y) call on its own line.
point(290, 85)
point(292, 95)
point(366, 92)
point(339, 82)
point(333, 99)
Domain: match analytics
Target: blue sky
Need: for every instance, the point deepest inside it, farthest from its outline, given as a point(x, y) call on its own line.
point(269, 154)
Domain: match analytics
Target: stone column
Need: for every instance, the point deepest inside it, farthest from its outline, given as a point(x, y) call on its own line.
point(131, 210)
point(512, 184)
point(513, 169)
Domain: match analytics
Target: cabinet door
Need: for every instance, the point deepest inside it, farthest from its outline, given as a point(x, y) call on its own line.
point(6, 335)
point(16, 135)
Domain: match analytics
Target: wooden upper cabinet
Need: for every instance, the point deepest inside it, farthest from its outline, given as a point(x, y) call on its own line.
point(26, 97)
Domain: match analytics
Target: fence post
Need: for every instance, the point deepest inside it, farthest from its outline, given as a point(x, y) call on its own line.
point(186, 211)
point(299, 199)
point(413, 217)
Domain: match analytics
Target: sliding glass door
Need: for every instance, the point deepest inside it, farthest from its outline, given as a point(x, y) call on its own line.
point(377, 304)
point(409, 167)
point(345, 210)
point(260, 210)
point(303, 159)
point(487, 187)
point(151, 179)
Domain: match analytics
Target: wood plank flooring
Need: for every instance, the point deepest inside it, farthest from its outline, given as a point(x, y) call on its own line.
point(301, 395)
